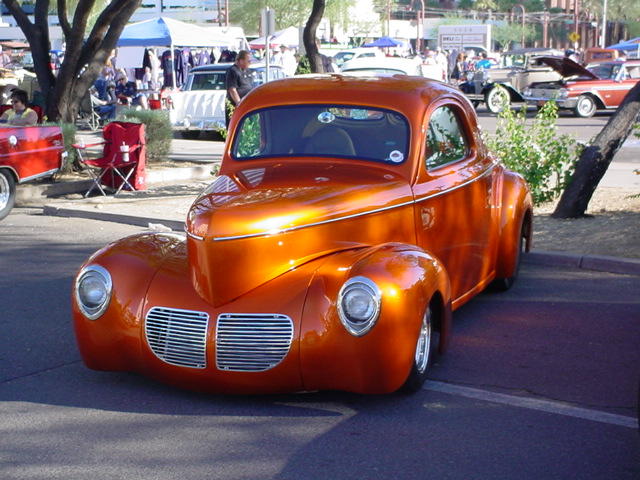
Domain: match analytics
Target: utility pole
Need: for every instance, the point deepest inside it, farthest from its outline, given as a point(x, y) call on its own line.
point(603, 38)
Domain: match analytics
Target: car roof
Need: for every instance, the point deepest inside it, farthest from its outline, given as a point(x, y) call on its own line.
point(408, 64)
point(393, 92)
point(220, 67)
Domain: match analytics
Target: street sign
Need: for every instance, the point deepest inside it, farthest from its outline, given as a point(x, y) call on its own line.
point(267, 21)
point(574, 36)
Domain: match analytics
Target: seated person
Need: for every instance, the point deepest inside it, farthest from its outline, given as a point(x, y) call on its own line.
point(19, 114)
point(106, 106)
point(128, 94)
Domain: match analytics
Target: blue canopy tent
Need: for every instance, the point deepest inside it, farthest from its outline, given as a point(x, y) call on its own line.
point(383, 42)
point(632, 45)
point(167, 32)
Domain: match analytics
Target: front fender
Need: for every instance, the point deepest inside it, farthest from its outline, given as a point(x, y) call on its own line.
point(380, 360)
point(516, 214)
point(112, 342)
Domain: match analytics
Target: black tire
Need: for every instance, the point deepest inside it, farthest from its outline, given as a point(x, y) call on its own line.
point(497, 99)
point(424, 354)
point(586, 107)
point(504, 284)
point(7, 193)
point(190, 134)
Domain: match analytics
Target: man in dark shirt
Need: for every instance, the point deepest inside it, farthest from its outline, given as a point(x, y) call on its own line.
point(239, 81)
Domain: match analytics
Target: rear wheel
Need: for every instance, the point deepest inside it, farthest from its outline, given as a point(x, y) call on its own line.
point(424, 354)
point(7, 193)
point(497, 99)
point(504, 284)
point(585, 107)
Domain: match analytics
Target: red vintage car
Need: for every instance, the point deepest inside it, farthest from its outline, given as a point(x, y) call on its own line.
point(585, 90)
point(26, 153)
point(350, 217)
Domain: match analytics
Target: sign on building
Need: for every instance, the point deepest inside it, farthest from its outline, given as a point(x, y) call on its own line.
point(457, 37)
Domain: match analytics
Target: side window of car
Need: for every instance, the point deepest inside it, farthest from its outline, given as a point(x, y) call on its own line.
point(445, 138)
point(250, 141)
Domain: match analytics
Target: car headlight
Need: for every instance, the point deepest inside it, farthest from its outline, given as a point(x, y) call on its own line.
point(359, 305)
point(527, 92)
point(93, 291)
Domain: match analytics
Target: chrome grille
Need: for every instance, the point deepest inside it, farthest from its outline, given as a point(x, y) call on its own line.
point(250, 342)
point(178, 336)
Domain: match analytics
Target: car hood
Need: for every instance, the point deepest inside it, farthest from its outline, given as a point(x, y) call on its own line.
point(248, 227)
point(567, 67)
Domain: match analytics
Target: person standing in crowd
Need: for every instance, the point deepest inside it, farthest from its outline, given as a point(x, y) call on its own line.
point(457, 75)
point(19, 114)
point(484, 63)
point(238, 81)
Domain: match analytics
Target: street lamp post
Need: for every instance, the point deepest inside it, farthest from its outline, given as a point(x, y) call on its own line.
point(603, 38)
point(419, 17)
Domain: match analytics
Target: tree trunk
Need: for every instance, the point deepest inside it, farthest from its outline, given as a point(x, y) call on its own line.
point(83, 58)
point(309, 36)
point(596, 158)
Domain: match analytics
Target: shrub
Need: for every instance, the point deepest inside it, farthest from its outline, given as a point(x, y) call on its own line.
point(69, 137)
point(158, 132)
point(536, 151)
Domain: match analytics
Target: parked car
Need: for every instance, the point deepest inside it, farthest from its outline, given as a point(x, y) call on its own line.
point(498, 87)
point(350, 217)
point(26, 154)
point(354, 53)
point(392, 65)
point(584, 90)
point(199, 106)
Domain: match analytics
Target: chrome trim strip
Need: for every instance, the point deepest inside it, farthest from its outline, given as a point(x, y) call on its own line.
point(189, 234)
point(38, 175)
point(482, 175)
point(355, 215)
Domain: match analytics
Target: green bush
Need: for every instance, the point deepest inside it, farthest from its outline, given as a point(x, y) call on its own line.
point(536, 151)
point(69, 137)
point(158, 131)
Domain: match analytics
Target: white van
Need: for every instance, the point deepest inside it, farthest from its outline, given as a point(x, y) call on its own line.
point(351, 54)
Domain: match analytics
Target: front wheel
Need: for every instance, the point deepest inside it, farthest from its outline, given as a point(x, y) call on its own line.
point(7, 193)
point(585, 107)
point(424, 354)
point(497, 99)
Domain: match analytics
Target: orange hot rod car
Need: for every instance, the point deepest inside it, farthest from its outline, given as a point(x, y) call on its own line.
point(351, 215)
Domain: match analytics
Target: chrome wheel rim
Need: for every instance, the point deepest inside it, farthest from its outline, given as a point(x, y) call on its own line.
point(498, 99)
point(585, 106)
point(423, 346)
point(4, 192)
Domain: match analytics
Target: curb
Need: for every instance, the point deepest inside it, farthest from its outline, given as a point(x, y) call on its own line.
point(600, 263)
point(111, 217)
point(26, 193)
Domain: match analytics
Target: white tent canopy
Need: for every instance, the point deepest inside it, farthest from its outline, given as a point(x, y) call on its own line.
point(164, 32)
point(289, 37)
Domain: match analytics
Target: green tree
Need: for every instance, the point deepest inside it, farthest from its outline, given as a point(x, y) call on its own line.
point(88, 46)
point(288, 12)
point(507, 33)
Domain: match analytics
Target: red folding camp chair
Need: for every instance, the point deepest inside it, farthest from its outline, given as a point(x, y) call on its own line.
point(122, 163)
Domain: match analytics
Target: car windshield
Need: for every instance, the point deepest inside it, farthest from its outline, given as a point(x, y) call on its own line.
point(208, 81)
point(514, 60)
point(605, 70)
point(342, 57)
point(360, 132)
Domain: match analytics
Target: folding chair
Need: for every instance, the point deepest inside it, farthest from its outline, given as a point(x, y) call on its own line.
point(123, 155)
point(88, 114)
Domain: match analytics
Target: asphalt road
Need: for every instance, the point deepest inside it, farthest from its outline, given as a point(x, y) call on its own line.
point(539, 383)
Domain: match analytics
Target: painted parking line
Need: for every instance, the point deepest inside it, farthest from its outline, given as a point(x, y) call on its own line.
point(547, 406)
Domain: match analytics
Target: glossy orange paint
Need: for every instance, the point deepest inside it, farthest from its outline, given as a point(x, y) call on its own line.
point(283, 235)
point(30, 152)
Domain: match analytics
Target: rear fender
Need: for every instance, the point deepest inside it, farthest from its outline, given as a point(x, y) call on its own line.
point(380, 360)
point(516, 213)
